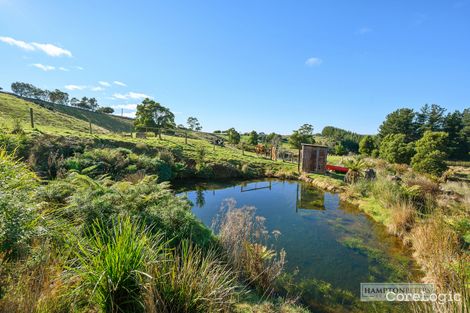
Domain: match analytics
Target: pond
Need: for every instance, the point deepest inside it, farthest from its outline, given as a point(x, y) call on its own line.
point(324, 238)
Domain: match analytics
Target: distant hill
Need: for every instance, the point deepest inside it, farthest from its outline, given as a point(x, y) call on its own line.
point(14, 109)
point(109, 122)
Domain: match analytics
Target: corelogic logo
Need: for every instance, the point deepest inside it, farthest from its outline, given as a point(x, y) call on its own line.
point(402, 292)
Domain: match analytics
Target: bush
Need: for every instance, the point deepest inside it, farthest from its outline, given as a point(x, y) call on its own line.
point(340, 149)
point(431, 154)
point(154, 204)
point(394, 149)
point(17, 212)
point(366, 145)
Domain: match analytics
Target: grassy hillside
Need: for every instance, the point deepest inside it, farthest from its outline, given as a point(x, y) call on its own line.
point(14, 110)
point(110, 122)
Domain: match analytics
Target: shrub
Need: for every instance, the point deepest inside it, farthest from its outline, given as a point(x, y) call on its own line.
point(431, 154)
point(17, 212)
point(166, 156)
point(366, 145)
point(340, 149)
point(394, 149)
point(355, 170)
point(154, 204)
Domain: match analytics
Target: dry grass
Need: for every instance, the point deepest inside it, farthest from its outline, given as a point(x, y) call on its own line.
point(436, 249)
point(244, 237)
point(425, 184)
point(36, 288)
point(190, 281)
point(402, 218)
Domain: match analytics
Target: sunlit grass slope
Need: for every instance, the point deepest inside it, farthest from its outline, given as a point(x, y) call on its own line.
point(14, 110)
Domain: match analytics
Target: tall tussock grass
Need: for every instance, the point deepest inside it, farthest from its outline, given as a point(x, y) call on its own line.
point(244, 237)
point(189, 280)
point(111, 265)
point(402, 218)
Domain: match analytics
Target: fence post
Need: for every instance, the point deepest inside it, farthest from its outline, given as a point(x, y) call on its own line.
point(31, 116)
point(91, 132)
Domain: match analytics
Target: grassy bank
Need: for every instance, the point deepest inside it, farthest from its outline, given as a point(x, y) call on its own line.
point(89, 223)
point(430, 215)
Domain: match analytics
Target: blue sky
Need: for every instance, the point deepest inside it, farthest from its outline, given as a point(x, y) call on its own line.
point(263, 65)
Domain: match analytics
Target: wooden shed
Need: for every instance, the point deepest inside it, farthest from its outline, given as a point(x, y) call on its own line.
point(314, 158)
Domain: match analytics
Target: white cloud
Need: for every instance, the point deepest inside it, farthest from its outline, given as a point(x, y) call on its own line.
point(129, 114)
point(63, 69)
point(74, 87)
point(363, 31)
point(45, 68)
point(52, 50)
point(116, 82)
point(47, 48)
point(18, 43)
point(130, 95)
point(105, 84)
point(97, 88)
point(313, 61)
point(79, 68)
point(125, 106)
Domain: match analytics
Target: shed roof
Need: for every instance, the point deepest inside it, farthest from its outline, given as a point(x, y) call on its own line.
point(314, 145)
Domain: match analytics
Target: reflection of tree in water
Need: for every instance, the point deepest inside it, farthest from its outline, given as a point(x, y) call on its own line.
point(200, 200)
point(309, 198)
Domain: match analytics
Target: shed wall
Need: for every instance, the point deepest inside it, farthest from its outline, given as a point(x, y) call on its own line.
point(314, 159)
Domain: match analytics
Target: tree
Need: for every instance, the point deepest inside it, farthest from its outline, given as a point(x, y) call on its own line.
point(92, 104)
point(340, 149)
point(431, 153)
point(58, 96)
point(466, 130)
point(430, 118)
point(233, 136)
point(273, 139)
point(22, 89)
point(193, 124)
point(401, 121)
point(83, 103)
point(253, 138)
point(105, 110)
point(395, 149)
point(303, 135)
point(457, 146)
point(74, 102)
point(366, 145)
point(152, 115)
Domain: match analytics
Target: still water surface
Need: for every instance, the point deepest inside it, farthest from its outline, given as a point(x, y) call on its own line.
point(324, 238)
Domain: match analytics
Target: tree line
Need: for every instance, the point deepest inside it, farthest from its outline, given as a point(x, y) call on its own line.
point(425, 139)
point(57, 96)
